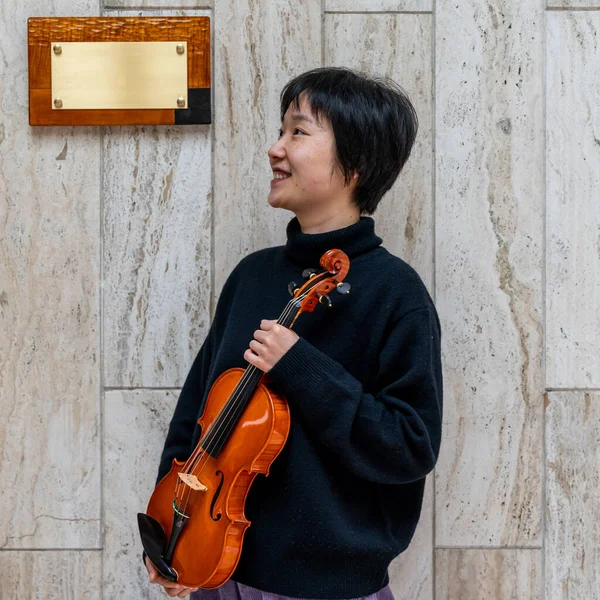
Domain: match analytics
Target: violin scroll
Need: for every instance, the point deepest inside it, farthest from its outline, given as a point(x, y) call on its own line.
point(336, 265)
point(336, 262)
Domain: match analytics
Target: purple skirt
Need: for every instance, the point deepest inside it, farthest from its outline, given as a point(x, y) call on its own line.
point(231, 590)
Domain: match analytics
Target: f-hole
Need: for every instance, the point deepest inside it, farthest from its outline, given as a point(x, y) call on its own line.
point(216, 517)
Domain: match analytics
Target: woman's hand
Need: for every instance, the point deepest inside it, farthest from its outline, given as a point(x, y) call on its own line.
point(270, 343)
point(172, 589)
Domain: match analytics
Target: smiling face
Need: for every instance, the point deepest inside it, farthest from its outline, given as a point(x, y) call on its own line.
point(304, 155)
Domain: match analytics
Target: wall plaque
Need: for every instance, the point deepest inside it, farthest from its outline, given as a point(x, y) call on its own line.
point(119, 70)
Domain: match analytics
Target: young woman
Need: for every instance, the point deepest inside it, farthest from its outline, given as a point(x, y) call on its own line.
point(363, 379)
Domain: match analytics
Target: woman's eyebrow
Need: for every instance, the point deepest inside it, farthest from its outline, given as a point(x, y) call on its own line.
point(301, 117)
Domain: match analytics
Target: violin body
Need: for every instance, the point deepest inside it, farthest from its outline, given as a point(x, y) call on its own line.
point(209, 545)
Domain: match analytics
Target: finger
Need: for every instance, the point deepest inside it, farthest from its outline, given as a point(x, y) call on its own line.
point(267, 324)
point(174, 593)
point(156, 577)
point(253, 359)
point(250, 356)
point(160, 580)
point(168, 585)
point(177, 587)
point(260, 335)
point(255, 346)
point(185, 592)
point(153, 575)
point(149, 566)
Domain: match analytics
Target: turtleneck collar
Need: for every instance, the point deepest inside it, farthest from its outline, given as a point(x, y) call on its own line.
point(305, 249)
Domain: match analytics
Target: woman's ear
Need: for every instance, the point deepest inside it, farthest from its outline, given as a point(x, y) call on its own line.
point(353, 181)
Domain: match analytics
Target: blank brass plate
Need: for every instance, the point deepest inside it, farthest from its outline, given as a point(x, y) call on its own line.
point(119, 75)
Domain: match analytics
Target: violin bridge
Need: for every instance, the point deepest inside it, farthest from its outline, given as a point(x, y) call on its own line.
point(192, 481)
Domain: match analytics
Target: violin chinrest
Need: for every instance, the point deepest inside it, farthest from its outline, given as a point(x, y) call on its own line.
point(154, 541)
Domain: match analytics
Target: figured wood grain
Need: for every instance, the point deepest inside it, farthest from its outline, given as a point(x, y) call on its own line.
point(44, 31)
point(193, 30)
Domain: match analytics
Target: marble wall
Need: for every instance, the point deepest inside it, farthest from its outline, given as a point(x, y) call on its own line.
point(115, 242)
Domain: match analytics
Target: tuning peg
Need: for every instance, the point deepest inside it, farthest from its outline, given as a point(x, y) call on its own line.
point(292, 288)
point(325, 300)
point(307, 273)
point(343, 288)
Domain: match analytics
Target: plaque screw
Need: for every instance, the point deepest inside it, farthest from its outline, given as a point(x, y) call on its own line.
point(58, 103)
point(180, 49)
point(57, 49)
point(180, 101)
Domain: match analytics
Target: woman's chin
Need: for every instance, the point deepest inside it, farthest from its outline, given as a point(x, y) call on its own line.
point(276, 201)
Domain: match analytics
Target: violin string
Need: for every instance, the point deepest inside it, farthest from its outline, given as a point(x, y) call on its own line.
point(230, 408)
point(240, 388)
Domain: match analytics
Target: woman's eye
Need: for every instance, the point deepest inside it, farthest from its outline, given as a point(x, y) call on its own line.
point(295, 130)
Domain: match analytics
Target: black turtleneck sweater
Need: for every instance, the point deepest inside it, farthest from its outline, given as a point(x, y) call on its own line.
point(364, 387)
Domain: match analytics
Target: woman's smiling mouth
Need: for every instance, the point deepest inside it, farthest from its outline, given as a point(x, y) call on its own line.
point(279, 175)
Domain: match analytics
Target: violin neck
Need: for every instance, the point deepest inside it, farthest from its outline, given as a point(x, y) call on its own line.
point(232, 410)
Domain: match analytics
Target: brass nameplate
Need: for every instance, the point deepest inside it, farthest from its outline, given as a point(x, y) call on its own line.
point(119, 75)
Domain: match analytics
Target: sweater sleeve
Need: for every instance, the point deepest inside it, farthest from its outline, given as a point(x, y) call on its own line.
point(392, 436)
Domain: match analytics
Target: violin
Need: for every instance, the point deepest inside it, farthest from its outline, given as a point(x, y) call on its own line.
point(194, 525)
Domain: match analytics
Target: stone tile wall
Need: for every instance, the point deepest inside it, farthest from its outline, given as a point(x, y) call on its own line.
point(115, 243)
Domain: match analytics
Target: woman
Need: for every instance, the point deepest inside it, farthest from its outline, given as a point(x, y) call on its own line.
point(363, 379)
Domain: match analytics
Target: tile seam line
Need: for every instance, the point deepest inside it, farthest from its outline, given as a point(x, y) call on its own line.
point(574, 389)
point(141, 388)
point(378, 12)
point(52, 549)
point(102, 379)
point(572, 8)
point(213, 144)
point(323, 41)
point(508, 548)
point(544, 365)
point(156, 8)
point(433, 259)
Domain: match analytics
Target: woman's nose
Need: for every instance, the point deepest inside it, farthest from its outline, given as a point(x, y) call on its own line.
point(277, 150)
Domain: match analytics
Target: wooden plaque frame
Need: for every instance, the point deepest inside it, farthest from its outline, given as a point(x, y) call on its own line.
point(193, 30)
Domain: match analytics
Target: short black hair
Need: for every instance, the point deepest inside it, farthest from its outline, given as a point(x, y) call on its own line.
point(374, 125)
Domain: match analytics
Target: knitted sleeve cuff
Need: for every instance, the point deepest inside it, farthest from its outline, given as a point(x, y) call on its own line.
point(303, 370)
